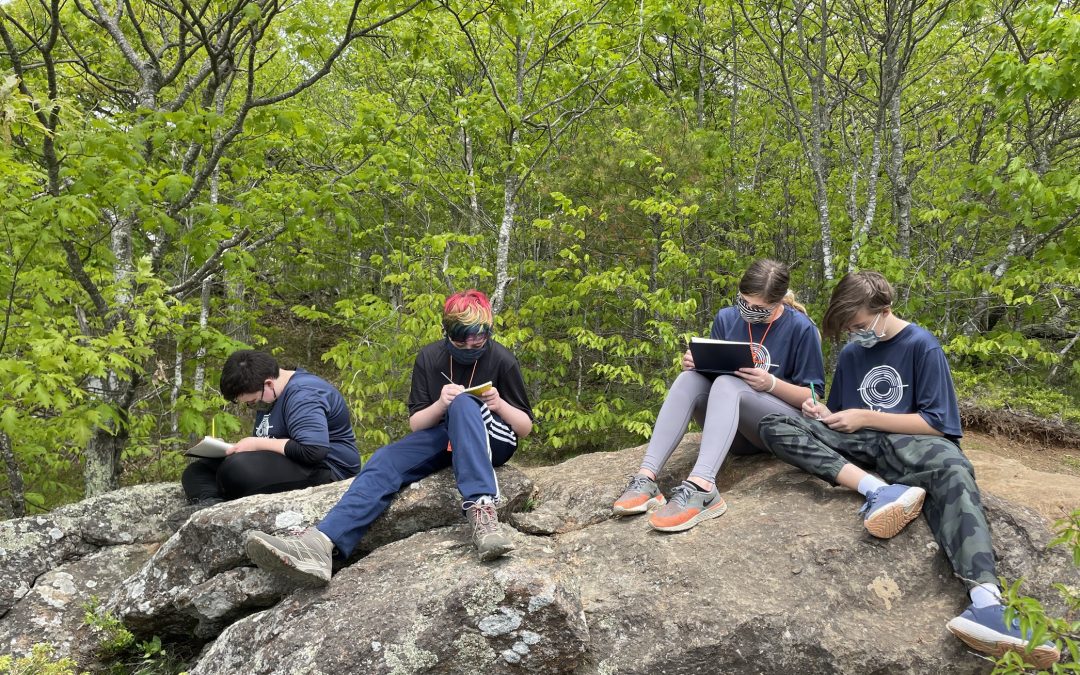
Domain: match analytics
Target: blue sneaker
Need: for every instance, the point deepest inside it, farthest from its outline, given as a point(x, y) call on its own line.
point(889, 509)
point(984, 629)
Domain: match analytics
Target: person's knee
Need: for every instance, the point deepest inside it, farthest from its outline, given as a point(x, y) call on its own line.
point(236, 475)
point(463, 404)
point(726, 385)
point(772, 424)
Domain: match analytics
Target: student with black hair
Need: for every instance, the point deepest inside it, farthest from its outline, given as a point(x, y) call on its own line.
point(302, 434)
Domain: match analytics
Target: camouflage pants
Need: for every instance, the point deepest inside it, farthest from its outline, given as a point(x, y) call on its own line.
point(953, 507)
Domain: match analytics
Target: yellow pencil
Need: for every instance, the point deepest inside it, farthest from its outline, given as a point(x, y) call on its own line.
point(212, 432)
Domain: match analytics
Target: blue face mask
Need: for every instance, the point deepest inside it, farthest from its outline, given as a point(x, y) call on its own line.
point(866, 337)
point(466, 356)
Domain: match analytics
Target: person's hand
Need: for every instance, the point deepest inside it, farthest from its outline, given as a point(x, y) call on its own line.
point(492, 399)
point(814, 411)
point(846, 421)
point(687, 361)
point(758, 379)
point(249, 444)
point(449, 393)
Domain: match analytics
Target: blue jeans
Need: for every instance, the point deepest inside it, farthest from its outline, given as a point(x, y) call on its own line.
point(479, 445)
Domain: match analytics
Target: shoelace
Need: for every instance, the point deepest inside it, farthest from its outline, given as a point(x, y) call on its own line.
point(638, 482)
point(484, 517)
point(870, 500)
point(681, 494)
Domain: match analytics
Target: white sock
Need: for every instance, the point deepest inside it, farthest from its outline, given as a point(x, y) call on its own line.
point(985, 595)
point(870, 483)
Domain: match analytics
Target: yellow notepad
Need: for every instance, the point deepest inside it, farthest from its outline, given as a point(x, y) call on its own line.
point(478, 389)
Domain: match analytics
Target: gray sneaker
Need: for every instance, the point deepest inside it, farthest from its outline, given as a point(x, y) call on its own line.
point(303, 558)
point(641, 495)
point(688, 507)
point(490, 542)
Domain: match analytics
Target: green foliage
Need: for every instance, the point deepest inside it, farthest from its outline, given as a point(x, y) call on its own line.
point(989, 390)
point(38, 663)
point(1063, 631)
point(123, 654)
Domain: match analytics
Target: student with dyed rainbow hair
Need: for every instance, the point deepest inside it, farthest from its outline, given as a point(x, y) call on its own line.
point(472, 433)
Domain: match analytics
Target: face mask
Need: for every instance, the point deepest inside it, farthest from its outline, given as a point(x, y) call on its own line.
point(751, 314)
point(866, 337)
point(466, 356)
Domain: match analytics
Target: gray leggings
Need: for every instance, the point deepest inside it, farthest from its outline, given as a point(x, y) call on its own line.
point(727, 409)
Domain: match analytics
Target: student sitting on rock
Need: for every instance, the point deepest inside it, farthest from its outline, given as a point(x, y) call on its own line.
point(892, 409)
point(787, 356)
point(302, 435)
point(472, 433)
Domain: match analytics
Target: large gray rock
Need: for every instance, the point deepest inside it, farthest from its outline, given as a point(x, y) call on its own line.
point(200, 580)
point(786, 581)
point(53, 611)
point(420, 605)
point(31, 546)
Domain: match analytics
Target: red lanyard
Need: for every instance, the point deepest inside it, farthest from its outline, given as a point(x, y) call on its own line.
point(750, 330)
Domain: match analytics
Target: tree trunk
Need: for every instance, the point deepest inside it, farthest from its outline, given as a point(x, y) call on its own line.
point(16, 507)
point(901, 190)
point(506, 227)
point(102, 470)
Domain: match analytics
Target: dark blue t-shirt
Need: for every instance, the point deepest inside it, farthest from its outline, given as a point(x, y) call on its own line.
point(792, 344)
point(311, 411)
point(906, 374)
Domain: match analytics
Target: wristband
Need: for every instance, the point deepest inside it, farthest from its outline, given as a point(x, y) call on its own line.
point(773, 386)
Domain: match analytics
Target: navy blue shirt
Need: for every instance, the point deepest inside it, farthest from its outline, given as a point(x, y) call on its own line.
point(311, 411)
point(905, 374)
point(792, 344)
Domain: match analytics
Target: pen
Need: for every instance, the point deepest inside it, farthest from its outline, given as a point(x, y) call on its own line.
point(813, 397)
point(446, 376)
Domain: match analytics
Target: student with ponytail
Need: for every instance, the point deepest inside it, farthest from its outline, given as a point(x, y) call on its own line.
point(787, 353)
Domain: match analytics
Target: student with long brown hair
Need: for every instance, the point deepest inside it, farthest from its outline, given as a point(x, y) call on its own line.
point(787, 354)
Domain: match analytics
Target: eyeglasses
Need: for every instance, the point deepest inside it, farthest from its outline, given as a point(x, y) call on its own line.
point(252, 402)
point(471, 341)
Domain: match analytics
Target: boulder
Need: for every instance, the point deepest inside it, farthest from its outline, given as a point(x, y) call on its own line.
point(786, 581)
point(31, 546)
point(200, 580)
point(424, 604)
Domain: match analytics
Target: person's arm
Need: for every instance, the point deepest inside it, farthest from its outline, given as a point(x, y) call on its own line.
point(854, 419)
point(518, 419)
point(253, 443)
point(428, 417)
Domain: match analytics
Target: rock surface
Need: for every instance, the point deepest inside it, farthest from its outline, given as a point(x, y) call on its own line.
point(786, 581)
point(200, 580)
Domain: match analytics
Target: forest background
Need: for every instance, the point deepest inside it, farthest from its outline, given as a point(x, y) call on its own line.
point(180, 178)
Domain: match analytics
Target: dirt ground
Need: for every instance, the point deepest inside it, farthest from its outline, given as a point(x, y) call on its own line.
point(1032, 454)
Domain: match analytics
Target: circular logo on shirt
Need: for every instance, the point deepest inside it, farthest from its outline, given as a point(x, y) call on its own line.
point(762, 360)
point(882, 388)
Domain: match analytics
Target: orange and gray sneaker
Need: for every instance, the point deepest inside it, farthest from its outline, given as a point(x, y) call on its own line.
point(688, 507)
point(640, 495)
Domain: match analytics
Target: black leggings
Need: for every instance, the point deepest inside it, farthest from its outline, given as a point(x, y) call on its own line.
point(249, 473)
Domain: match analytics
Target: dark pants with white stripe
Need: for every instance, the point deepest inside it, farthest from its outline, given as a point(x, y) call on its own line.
point(480, 442)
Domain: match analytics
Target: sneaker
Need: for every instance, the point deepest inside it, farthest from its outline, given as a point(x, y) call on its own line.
point(688, 507)
point(889, 509)
point(641, 495)
point(984, 629)
point(303, 558)
point(490, 542)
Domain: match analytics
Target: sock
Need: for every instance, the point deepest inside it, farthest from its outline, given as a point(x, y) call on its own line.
point(870, 483)
point(695, 486)
point(985, 595)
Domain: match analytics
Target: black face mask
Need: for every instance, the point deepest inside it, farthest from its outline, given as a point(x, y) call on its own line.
point(466, 356)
